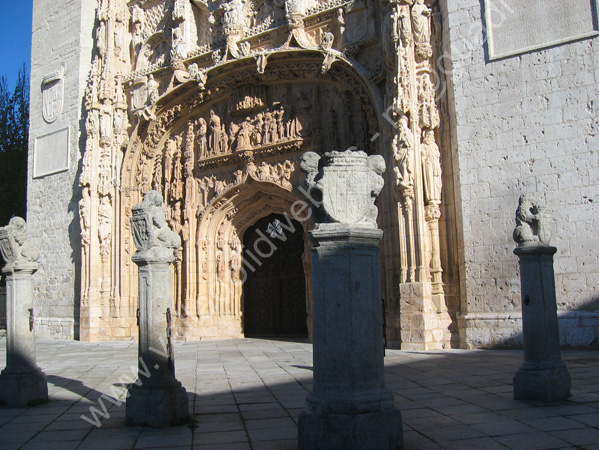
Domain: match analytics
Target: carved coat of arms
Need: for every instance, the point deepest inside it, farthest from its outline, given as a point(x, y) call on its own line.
point(140, 226)
point(52, 95)
point(7, 246)
point(346, 184)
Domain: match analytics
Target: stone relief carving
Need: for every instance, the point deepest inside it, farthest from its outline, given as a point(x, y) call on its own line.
point(428, 112)
point(531, 223)
point(198, 75)
point(16, 249)
point(346, 185)
point(234, 18)
point(52, 95)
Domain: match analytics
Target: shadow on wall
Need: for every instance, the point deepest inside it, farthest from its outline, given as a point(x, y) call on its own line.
point(578, 328)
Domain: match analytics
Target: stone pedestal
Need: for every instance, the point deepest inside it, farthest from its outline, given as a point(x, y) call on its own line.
point(349, 406)
point(543, 375)
point(22, 382)
point(157, 398)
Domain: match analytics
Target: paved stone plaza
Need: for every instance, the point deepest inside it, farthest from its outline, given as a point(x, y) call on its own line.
point(247, 394)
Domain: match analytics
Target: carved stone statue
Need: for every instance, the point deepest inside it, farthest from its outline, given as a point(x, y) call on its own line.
point(22, 382)
point(16, 249)
point(215, 140)
point(178, 50)
point(105, 225)
point(152, 87)
point(137, 18)
point(403, 151)
point(235, 20)
point(244, 135)
point(531, 224)
point(235, 263)
point(429, 114)
point(151, 234)
point(422, 29)
point(84, 220)
point(346, 185)
point(431, 167)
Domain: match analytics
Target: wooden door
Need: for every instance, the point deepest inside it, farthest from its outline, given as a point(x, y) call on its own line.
point(274, 294)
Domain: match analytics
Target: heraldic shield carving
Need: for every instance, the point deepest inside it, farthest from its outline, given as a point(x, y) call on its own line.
point(151, 234)
point(52, 95)
point(7, 246)
point(140, 224)
point(346, 185)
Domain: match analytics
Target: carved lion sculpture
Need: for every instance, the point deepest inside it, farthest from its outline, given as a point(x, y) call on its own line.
point(531, 224)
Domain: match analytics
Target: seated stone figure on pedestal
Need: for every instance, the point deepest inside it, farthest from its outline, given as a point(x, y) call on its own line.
point(157, 398)
point(22, 381)
point(16, 249)
point(531, 224)
point(151, 234)
point(543, 375)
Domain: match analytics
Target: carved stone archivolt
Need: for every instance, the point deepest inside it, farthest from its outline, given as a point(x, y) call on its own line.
point(211, 103)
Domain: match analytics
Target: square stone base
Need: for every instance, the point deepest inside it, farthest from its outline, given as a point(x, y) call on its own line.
point(157, 407)
point(23, 389)
point(545, 385)
point(368, 431)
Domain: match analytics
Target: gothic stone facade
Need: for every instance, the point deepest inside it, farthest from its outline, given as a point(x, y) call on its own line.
point(213, 103)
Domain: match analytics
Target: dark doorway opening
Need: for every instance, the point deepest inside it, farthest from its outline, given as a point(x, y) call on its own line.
point(274, 294)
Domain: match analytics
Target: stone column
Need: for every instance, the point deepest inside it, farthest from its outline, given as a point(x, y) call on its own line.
point(157, 398)
point(22, 382)
point(349, 406)
point(543, 375)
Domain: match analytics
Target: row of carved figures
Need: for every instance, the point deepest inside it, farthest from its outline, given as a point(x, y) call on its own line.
point(267, 127)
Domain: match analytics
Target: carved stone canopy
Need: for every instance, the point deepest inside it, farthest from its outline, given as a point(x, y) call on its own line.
point(152, 237)
point(343, 187)
point(16, 249)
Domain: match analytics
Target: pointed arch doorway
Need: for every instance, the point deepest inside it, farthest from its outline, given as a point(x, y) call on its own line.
point(274, 294)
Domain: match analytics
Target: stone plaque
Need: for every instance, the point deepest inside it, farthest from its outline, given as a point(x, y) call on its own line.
point(516, 26)
point(51, 153)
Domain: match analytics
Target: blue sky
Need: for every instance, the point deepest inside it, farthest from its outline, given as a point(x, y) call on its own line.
point(15, 37)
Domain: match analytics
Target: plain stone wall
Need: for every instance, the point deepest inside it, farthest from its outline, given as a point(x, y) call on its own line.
point(61, 35)
point(524, 124)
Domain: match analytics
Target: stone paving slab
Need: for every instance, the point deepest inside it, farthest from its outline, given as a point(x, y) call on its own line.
point(246, 394)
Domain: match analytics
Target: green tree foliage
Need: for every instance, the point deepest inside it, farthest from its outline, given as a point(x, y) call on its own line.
point(14, 137)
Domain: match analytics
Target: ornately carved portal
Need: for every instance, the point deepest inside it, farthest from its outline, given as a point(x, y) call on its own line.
point(213, 103)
